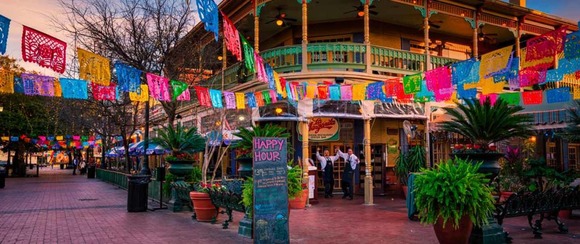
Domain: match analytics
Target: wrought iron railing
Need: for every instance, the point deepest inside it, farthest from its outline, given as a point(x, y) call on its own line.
point(120, 179)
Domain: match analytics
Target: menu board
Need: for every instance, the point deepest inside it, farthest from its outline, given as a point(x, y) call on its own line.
point(270, 190)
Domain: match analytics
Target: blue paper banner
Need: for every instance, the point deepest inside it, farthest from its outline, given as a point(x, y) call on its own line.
point(208, 13)
point(251, 99)
point(74, 88)
point(18, 85)
point(554, 75)
point(128, 77)
point(558, 95)
point(424, 95)
point(334, 91)
point(4, 27)
point(216, 98)
point(465, 72)
point(466, 94)
point(572, 46)
point(13, 138)
point(270, 74)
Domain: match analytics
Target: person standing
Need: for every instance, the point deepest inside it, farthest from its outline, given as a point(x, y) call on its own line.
point(351, 161)
point(327, 167)
point(75, 165)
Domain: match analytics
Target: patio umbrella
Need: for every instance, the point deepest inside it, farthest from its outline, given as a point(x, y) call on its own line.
point(152, 149)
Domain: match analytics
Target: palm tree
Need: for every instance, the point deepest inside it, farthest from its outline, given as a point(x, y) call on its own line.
point(485, 123)
point(180, 139)
point(572, 131)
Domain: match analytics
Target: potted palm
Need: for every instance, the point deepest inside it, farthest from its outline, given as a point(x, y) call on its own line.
point(485, 124)
point(409, 162)
point(453, 197)
point(182, 142)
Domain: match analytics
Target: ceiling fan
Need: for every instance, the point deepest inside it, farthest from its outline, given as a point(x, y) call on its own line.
point(487, 37)
point(281, 19)
point(360, 10)
point(433, 24)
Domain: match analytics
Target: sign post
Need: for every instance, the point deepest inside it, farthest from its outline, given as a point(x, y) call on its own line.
point(270, 190)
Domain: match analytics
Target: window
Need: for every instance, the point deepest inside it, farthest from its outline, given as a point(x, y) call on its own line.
point(573, 157)
point(551, 155)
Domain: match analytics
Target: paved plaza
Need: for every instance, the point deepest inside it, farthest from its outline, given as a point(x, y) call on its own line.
point(58, 207)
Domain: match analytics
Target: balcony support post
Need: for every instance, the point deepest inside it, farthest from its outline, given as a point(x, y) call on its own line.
point(367, 38)
point(256, 28)
point(304, 36)
point(426, 35)
point(368, 163)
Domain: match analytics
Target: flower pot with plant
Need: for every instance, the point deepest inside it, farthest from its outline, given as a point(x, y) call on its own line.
point(409, 162)
point(453, 197)
point(485, 124)
point(182, 142)
point(297, 191)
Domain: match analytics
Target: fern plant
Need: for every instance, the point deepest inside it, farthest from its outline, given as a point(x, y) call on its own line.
point(248, 195)
point(450, 191)
point(412, 161)
point(294, 181)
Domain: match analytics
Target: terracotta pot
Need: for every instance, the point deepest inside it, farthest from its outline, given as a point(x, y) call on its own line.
point(405, 190)
point(504, 195)
point(204, 209)
point(449, 235)
point(300, 201)
point(565, 214)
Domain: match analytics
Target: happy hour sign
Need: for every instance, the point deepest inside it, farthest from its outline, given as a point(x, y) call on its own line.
point(270, 190)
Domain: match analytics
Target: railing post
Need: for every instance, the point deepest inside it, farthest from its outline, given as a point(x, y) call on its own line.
point(367, 38)
point(304, 36)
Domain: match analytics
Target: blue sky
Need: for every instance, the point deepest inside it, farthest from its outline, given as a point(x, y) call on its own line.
point(564, 8)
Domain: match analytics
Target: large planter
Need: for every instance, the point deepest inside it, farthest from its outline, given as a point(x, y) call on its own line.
point(504, 195)
point(565, 214)
point(180, 168)
point(446, 234)
point(299, 202)
point(204, 209)
point(244, 167)
point(405, 190)
point(490, 165)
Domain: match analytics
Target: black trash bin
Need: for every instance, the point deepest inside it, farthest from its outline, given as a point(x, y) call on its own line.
point(61, 166)
point(91, 172)
point(2, 177)
point(137, 193)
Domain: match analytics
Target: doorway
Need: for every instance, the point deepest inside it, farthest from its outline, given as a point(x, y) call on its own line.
point(338, 164)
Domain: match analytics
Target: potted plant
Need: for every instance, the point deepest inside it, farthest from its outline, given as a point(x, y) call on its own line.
point(182, 142)
point(453, 197)
point(485, 124)
point(511, 176)
point(409, 162)
point(297, 191)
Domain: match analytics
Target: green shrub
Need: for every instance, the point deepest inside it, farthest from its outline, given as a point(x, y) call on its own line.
point(450, 191)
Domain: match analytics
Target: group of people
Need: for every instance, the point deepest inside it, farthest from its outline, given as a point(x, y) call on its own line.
point(81, 165)
point(327, 166)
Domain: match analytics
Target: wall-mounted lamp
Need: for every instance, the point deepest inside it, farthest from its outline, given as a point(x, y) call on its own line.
point(360, 13)
point(220, 58)
point(279, 22)
point(241, 118)
point(278, 110)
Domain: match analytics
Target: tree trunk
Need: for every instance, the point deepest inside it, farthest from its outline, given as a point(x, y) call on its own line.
point(19, 166)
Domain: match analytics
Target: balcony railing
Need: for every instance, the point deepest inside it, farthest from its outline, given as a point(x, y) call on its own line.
point(337, 57)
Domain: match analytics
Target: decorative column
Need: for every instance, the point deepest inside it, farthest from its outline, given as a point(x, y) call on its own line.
point(426, 12)
point(256, 28)
point(518, 35)
point(475, 25)
point(368, 165)
point(304, 34)
point(305, 155)
point(367, 35)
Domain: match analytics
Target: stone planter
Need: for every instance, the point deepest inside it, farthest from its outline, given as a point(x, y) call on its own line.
point(244, 167)
point(490, 165)
point(180, 168)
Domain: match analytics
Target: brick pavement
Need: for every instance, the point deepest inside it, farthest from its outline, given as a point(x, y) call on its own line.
point(61, 208)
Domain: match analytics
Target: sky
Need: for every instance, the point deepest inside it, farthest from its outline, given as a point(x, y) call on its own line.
point(36, 14)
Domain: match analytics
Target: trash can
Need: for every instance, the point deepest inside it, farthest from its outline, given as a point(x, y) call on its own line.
point(2, 177)
point(137, 193)
point(61, 166)
point(91, 172)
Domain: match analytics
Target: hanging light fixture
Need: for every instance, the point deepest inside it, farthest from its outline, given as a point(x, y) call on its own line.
point(278, 110)
point(279, 22)
point(360, 13)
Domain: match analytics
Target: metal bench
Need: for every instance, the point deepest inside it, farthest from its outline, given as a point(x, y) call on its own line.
point(230, 199)
point(545, 204)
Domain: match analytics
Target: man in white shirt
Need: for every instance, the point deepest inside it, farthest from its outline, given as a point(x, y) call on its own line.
point(327, 167)
point(351, 161)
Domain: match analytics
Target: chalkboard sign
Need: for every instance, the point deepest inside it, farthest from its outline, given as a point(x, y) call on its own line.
point(270, 190)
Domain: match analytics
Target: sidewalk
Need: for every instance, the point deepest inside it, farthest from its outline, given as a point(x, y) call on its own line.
point(58, 207)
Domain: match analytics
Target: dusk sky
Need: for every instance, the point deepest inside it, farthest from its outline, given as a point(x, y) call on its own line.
point(35, 14)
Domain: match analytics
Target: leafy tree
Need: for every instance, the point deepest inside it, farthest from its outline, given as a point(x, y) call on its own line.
point(572, 131)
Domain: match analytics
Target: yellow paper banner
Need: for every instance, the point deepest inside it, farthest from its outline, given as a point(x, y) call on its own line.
point(311, 91)
point(358, 92)
point(489, 87)
point(5, 138)
point(494, 61)
point(140, 97)
point(57, 88)
point(59, 138)
point(240, 100)
point(6, 81)
point(94, 68)
point(576, 93)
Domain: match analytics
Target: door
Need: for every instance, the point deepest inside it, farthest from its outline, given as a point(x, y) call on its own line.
point(339, 164)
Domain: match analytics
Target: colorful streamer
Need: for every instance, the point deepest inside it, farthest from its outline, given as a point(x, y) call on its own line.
point(94, 68)
point(251, 100)
point(572, 46)
point(141, 96)
point(74, 88)
point(230, 99)
point(208, 14)
point(179, 88)
point(273, 96)
point(346, 93)
point(412, 83)
point(128, 77)
point(248, 55)
point(495, 62)
point(38, 85)
point(546, 45)
point(359, 92)
point(104, 93)
point(6, 80)
point(323, 93)
point(240, 100)
point(334, 91)
point(465, 72)
point(216, 98)
point(532, 97)
point(232, 37)
point(465, 94)
point(260, 71)
point(259, 99)
point(44, 50)
point(203, 96)
point(4, 28)
point(158, 87)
